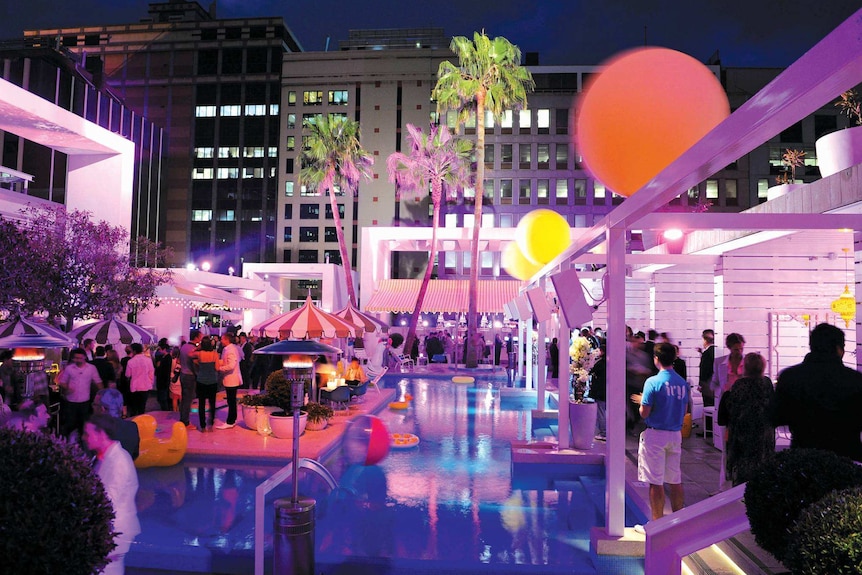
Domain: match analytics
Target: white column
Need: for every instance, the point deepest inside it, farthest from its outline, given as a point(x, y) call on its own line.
point(563, 415)
point(616, 383)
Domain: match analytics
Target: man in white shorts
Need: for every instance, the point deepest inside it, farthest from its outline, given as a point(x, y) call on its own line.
point(662, 406)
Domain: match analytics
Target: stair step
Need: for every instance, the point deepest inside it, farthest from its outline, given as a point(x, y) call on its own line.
point(739, 554)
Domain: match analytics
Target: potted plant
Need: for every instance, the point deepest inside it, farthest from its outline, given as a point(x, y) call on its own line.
point(582, 409)
point(56, 514)
point(252, 404)
point(842, 149)
point(786, 181)
point(318, 416)
point(825, 538)
point(281, 420)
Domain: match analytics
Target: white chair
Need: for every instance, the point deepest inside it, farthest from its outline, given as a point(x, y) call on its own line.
point(405, 361)
point(707, 420)
point(375, 383)
point(361, 355)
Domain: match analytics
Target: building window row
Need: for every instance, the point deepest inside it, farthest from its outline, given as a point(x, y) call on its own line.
point(315, 97)
point(235, 110)
point(539, 118)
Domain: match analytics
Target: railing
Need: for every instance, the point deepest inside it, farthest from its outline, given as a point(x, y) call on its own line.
point(705, 523)
point(260, 493)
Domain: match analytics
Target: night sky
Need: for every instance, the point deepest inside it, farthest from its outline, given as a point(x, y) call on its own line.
point(580, 32)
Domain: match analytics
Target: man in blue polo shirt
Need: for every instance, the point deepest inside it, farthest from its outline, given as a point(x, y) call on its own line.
point(662, 406)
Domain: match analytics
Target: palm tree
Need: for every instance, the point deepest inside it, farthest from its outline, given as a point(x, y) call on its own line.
point(334, 161)
point(439, 162)
point(488, 77)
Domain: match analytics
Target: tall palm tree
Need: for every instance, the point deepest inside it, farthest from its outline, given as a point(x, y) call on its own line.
point(488, 77)
point(334, 162)
point(439, 162)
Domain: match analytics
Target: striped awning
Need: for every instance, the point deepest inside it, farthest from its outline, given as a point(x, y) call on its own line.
point(443, 296)
point(206, 298)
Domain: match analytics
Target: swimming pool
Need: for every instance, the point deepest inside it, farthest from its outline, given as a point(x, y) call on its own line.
point(448, 505)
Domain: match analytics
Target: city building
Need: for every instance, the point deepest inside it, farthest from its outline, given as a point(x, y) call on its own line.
point(214, 87)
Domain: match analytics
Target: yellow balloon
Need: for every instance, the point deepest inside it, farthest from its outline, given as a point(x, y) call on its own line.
point(516, 264)
point(542, 235)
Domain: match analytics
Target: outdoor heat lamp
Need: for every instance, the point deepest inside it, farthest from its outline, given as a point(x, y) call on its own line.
point(297, 370)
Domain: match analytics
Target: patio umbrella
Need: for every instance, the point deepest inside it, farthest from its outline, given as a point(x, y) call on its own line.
point(112, 331)
point(363, 321)
point(31, 327)
point(306, 322)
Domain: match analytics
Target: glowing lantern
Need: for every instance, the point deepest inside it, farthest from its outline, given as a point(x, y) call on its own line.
point(642, 111)
point(517, 264)
point(542, 235)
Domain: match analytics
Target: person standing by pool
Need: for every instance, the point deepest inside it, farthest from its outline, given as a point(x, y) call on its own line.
point(117, 473)
point(141, 374)
point(207, 363)
point(75, 381)
point(231, 379)
point(663, 404)
point(188, 352)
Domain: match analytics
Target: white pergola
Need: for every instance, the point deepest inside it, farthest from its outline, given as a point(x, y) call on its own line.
point(831, 67)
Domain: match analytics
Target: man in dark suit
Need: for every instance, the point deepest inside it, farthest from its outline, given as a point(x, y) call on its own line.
point(707, 360)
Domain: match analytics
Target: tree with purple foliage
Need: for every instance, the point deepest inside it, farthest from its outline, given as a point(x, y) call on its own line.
point(439, 162)
point(71, 267)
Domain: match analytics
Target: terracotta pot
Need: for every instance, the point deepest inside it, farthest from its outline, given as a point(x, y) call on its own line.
point(839, 150)
point(282, 425)
point(582, 421)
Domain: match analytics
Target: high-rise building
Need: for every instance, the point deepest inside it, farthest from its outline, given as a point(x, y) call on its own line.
point(214, 86)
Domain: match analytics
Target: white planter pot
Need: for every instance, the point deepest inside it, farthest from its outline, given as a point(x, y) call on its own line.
point(249, 414)
point(582, 421)
point(316, 425)
point(839, 150)
point(780, 190)
point(282, 426)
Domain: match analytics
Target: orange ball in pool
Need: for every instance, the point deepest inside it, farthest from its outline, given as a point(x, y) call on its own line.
point(642, 112)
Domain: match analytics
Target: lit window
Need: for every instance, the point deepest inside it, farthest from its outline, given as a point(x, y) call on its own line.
point(524, 155)
point(252, 152)
point(468, 220)
point(273, 109)
point(562, 189)
point(524, 119)
point(506, 221)
point(712, 189)
point(230, 110)
point(542, 189)
point(762, 186)
point(288, 189)
point(202, 174)
point(543, 119)
point(506, 190)
point(228, 152)
point(204, 152)
point(312, 97)
point(524, 190)
point(543, 155)
point(305, 191)
point(730, 193)
point(506, 120)
point(562, 156)
point(255, 109)
point(291, 121)
point(469, 193)
point(291, 143)
point(489, 119)
point(450, 221)
point(252, 173)
point(291, 98)
point(272, 151)
point(226, 216)
point(338, 97)
point(450, 261)
point(202, 215)
point(487, 220)
point(228, 173)
point(598, 190)
point(205, 111)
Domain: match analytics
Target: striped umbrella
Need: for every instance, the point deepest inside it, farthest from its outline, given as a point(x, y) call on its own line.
point(363, 321)
point(306, 322)
point(112, 331)
point(32, 327)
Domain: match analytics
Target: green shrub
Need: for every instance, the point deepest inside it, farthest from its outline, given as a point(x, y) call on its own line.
point(257, 399)
point(827, 537)
point(318, 412)
point(278, 390)
point(785, 484)
point(55, 516)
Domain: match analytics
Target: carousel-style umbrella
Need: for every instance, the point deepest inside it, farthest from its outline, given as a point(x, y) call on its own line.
point(112, 331)
point(32, 327)
point(363, 321)
point(306, 322)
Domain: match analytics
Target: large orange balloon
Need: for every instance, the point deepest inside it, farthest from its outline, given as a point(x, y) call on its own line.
point(517, 264)
point(542, 235)
point(642, 112)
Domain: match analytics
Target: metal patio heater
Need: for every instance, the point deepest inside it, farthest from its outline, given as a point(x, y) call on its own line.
point(293, 537)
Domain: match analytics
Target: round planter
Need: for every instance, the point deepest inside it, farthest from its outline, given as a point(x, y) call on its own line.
point(282, 425)
point(318, 425)
point(839, 150)
point(249, 414)
point(582, 421)
point(780, 190)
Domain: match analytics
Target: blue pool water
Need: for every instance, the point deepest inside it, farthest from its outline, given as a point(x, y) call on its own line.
point(449, 505)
